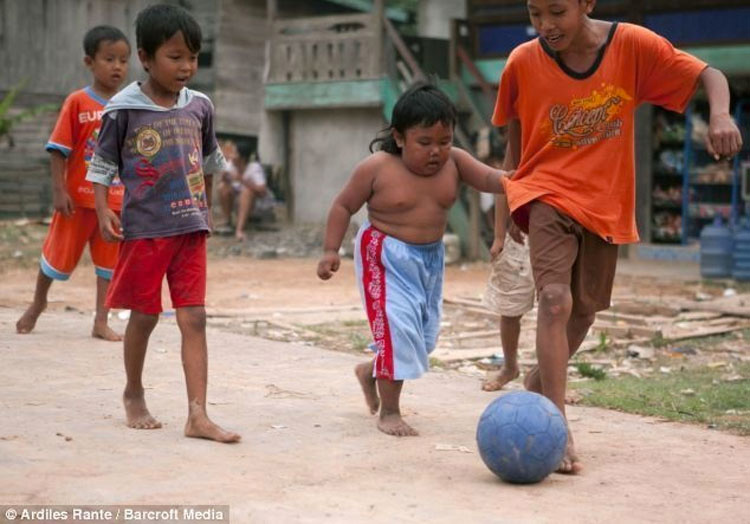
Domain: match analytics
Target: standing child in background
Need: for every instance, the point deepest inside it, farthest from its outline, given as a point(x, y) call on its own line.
point(510, 288)
point(569, 99)
point(159, 135)
point(71, 145)
point(408, 186)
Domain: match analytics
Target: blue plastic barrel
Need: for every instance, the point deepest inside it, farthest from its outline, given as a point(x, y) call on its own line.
point(716, 250)
point(741, 254)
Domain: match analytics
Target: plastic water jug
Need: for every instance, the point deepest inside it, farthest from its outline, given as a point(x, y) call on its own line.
point(741, 253)
point(716, 250)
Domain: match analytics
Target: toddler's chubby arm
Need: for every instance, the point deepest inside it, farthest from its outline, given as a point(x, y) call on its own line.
point(356, 192)
point(478, 174)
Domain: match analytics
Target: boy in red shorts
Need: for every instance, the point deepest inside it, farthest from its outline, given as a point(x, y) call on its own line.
point(71, 145)
point(159, 136)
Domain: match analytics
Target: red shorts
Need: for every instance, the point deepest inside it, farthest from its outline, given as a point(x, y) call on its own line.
point(141, 267)
point(66, 239)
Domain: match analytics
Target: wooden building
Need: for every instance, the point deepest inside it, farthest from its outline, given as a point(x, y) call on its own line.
point(41, 45)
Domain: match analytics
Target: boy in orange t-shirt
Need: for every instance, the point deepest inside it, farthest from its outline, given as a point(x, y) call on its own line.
point(74, 222)
point(568, 98)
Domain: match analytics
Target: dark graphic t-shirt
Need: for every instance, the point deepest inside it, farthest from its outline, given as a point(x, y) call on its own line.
point(160, 155)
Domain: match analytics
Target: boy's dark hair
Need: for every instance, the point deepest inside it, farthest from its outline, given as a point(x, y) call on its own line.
point(158, 23)
point(423, 104)
point(101, 33)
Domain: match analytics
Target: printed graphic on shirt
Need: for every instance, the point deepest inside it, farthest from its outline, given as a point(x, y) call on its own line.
point(90, 146)
point(148, 142)
point(163, 173)
point(195, 180)
point(586, 121)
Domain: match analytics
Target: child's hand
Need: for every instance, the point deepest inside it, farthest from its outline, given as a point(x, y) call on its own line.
point(497, 247)
point(328, 265)
point(109, 225)
point(724, 139)
point(62, 202)
point(515, 233)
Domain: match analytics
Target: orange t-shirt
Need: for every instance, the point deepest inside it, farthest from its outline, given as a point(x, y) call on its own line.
point(75, 137)
point(577, 129)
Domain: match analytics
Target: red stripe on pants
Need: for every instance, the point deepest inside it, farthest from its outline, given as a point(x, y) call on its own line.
point(373, 280)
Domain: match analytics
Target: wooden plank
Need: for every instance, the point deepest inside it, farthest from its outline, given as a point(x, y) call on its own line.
point(471, 335)
point(709, 332)
point(614, 317)
point(453, 355)
point(646, 308)
point(738, 306)
point(697, 315)
point(462, 301)
point(626, 331)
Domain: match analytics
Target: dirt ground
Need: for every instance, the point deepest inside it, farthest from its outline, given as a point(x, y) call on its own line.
point(310, 452)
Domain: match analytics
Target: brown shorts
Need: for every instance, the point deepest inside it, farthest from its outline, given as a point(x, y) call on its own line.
point(564, 252)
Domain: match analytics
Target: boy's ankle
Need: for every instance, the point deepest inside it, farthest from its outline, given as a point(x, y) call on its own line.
point(133, 390)
point(384, 412)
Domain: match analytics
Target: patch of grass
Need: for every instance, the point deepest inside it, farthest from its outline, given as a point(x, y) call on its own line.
point(359, 341)
point(20, 245)
point(696, 395)
point(356, 324)
point(324, 329)
point(589, 371)
point(658, 340)
point(739, 287)
point(604, 342)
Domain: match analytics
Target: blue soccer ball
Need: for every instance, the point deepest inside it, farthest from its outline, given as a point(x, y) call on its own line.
point(522, 437)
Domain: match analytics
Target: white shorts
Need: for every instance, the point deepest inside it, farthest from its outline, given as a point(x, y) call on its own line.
point(254, 174)
point(510, 289)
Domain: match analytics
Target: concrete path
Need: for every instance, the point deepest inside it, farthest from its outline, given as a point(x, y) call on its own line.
point(311, 453)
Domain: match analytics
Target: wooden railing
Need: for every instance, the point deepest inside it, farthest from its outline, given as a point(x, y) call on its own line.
point(325, 49)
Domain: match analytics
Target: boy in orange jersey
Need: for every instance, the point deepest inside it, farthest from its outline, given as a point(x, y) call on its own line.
point(568, 99)
point(74, 223)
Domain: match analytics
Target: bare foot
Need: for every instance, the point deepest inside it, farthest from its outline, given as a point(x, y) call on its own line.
point(368, 384)
point(570, 464)
point(495, 381)
point(103, 331)
point(136, 412)
point(239, 236)
point(28, 320)
point(533, 380)
point(394, 425)
point(198, 425)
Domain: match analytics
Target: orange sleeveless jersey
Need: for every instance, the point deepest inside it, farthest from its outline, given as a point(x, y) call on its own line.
point(75, 136)
point(577, 129)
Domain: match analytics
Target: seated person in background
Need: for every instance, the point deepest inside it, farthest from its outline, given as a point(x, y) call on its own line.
point(246, 180)
point(254, 190)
